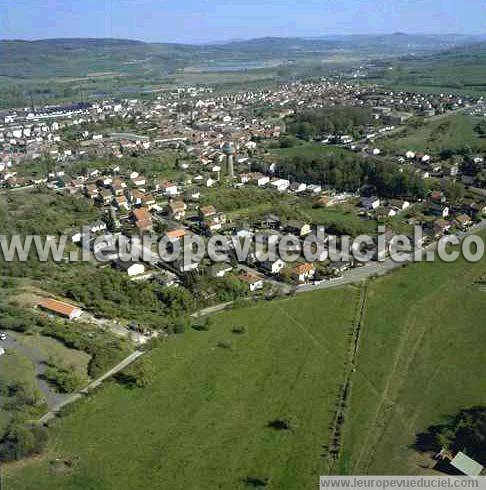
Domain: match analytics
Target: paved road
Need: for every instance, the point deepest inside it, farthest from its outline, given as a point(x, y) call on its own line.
point(94, 384)
point(351, 276)
point(380, 268)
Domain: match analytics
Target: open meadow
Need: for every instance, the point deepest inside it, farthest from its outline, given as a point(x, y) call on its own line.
point(453, 132)
point(210, 418)
point(253, 398)
point(421, 360)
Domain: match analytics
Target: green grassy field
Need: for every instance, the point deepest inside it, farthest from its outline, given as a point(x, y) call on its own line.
point(421, 359)
point(343, 219)
point(305, 150)
point(453, 132)
point(202, 423)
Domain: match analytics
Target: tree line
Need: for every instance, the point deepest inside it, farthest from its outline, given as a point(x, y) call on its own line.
point(349, 172)
point(331, 120)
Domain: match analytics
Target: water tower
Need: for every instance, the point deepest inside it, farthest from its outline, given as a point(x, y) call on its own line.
point(229, 151)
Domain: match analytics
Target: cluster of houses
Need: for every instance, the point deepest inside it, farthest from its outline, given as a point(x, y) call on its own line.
point(195, 120)
point(199, 124)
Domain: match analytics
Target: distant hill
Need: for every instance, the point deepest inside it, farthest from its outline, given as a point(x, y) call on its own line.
point(80, 57)
point(464, 54)
point(461, 70)
point(53, 70)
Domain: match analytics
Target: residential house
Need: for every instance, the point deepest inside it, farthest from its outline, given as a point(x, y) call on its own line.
point(460, 462)
point(370, 203)
point(104, 197)
point(337, 268)
point(121, 203)
point(303, 272)
point(298, 228)
point(271, 221)
point(139, 181)
point(220, 269)
point(298, 187)
point(91, 191)
point(441, 226)
point(254, 282)
point(466, 465)
point(177, 234)
point(280, 185)
point(148, 200)
point(118, 186)
point(438, 197)
point(438, 209)
point(273, 267)
point(262, 180)
point(142, 218)
point(132, 268)
point(167, 188)
point(399, 205)
point(177, 210)
point(464, 221)
point(314, 188)
point(136, 197)
point(206, 212)
point(97, 227)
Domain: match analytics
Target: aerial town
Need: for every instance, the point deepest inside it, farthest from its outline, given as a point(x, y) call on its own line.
point(242, 368)
point(220, 142)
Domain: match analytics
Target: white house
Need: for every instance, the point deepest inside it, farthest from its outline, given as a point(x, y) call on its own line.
point(314, 188)
point(273, 267)
point(263, 180)
point(410, 155)
point(254, 282)
point(98, 226)
point(166, 187)
point(220, 269)
point(298, 187)
point(372, 202)
point(280, 184)
point(132, 268)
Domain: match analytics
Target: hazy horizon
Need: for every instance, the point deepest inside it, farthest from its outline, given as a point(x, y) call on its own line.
point(204, 21)
point(242, 39)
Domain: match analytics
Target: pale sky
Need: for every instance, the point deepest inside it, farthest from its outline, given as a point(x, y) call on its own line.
point(209, 20)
